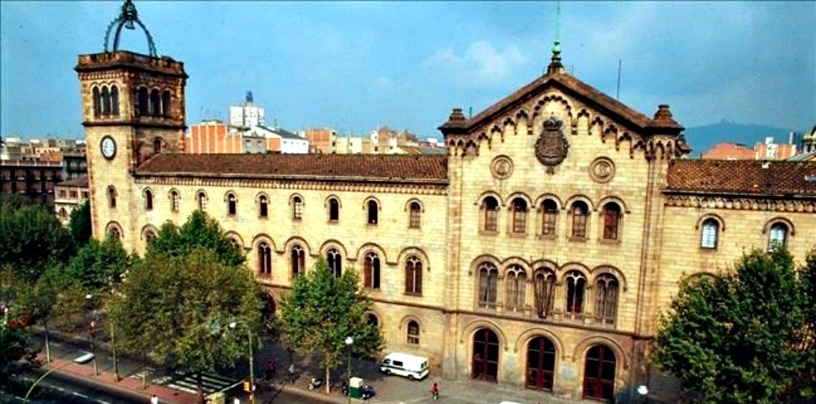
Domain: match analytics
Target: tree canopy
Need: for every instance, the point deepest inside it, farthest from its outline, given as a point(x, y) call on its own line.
point(79, 225)
point(31, 237)
point(322, 310)
point(98, 264)
point(199, 230)
point(179, 308)
point(738, 337)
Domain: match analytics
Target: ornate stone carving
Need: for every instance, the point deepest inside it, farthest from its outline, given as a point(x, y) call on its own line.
point(602, 170)
point(502, 167)
point(740, 203)
point(552, 146)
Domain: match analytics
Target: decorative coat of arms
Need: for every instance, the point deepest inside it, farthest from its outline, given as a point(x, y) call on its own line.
point(551, 147)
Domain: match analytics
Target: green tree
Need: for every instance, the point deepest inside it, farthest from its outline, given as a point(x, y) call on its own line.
point(732, 338)
point(179, 308)
point(199, 230)
point(31, 238)
point(805, 383)
point(98, 264)
point(322, 310)
point(79, 225)
point(38, 301)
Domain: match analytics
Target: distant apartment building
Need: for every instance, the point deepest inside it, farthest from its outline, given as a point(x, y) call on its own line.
point(769, 150)
point(74, 163)
point(216, 137)
point(247, 114)
point(69, 195)
point(321, 140)
point(32, 168)
point(729, 151)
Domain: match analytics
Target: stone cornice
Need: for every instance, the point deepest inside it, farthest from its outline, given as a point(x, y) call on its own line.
point(743, 202)
point(336, 186)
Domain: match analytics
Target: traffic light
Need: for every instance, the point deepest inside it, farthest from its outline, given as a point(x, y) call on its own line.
point(246, 387)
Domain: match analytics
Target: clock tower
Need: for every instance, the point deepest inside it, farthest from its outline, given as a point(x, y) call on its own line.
point(132, 109)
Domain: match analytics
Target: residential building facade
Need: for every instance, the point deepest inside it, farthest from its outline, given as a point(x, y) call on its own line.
point(247, 114)
point(538, 252)
point(68, 196)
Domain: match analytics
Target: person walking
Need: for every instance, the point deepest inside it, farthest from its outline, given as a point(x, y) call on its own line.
point(292, 373)
point(435, 391)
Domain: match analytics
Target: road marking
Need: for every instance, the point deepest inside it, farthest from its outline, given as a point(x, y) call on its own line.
point(79, 395)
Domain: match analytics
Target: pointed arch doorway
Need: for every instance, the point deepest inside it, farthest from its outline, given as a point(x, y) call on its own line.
point(599, 373)
point(485, 364)
point(540, 364)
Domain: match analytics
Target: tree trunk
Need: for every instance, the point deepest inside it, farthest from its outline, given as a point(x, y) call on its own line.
point(144, 367)
point(328, 380)
point(199, 388)
point(47, 343)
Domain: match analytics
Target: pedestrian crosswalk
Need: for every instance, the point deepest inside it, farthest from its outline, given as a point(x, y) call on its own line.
point(186, 382)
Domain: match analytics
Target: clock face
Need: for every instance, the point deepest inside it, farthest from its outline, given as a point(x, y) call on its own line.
point(108, 147)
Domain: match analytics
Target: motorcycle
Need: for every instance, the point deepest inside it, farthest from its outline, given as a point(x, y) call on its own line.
point(315, 383)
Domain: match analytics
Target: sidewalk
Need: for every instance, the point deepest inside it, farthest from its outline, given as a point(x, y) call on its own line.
point(177, 388)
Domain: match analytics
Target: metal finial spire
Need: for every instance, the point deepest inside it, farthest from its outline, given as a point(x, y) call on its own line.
point(555, 66)
point(126, 18)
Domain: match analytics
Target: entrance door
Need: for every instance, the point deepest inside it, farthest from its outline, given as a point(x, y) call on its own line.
point(485, 355)
point(540, 364)
point(599, 373)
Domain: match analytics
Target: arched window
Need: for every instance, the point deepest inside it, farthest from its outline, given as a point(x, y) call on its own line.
point(157, 145)
point(298, 258)
point(413, 276)
point(148, 199)
point(155, 103)
point(372, 212)
point(611, 217)
point(599, 373)
point(115, 100)
point(231, 204)
point(63, 213)
point(165, 102)
point(710, 234)
point(516, 283)
point(174, 201)
point(415, 215)
point(97, 102)
point(580, 214)
point(335, 261)
point(371, 271)
point(576, 285)
point(297, 208)
point(334, 210)
point(490, 206)
point(114, 233)
point(150, 235)
point(201, 200)
point(606, 298)
point(544, 289)
point(106, 101)
point(413, 332)
point(142, 102)
point(264, 259)
point(778, 235)
point(372, 320)
point(549, 214)
point(519, 216)
point(263, 206)
point(111, 196)
point(488, 285)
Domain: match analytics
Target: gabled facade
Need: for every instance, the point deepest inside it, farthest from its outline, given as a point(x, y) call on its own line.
point(538, 252)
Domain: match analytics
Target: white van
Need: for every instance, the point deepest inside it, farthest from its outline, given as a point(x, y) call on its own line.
point(406, 365)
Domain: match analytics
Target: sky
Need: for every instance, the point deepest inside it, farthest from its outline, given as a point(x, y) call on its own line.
point(355, 66)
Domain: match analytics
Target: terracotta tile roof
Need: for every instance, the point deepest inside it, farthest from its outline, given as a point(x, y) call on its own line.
point(743, 177)
point(81, 182)
point(598, 99)
point(354, 167)
point(728, 151)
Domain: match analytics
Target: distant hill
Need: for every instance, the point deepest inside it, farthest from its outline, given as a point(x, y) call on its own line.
point(703, 138)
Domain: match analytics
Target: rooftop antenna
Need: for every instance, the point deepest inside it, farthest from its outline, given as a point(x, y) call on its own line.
point(555, 66)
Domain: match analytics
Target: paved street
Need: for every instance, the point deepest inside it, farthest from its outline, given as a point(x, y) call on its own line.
point(180, 388)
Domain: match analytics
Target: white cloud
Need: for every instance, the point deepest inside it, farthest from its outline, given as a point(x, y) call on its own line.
point(480, 64)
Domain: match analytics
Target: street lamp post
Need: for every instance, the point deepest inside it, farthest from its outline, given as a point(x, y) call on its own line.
point(251, 362)
point(88, 298)
point(349, 341)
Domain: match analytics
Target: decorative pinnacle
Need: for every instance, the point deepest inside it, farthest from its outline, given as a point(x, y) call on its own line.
point(126, 19)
